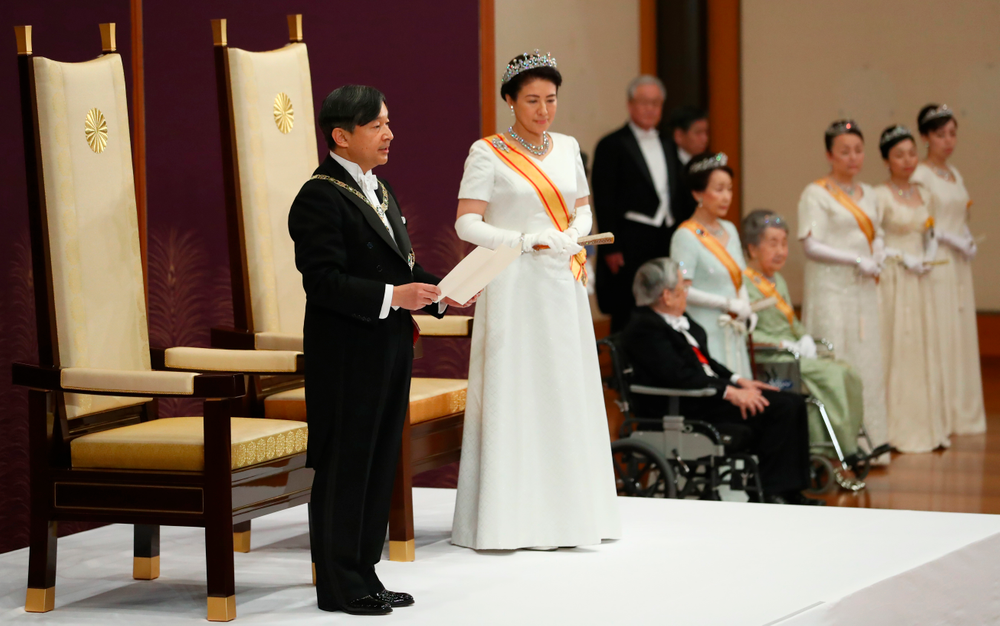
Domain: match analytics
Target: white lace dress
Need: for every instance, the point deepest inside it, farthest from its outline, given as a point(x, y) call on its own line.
point(955, 302)
point(839, 304)
point(536, 454)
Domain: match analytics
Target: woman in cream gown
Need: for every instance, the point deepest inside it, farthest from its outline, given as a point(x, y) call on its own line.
point(711, 256)
point(910, 335)
point(536, 469)
point(840, 231)
point(951, 282)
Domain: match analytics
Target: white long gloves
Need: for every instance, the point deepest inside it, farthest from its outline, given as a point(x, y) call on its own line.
point(471, 227)
point(805, 346)
point(911, 262)
point(866, 265)
point(964, 244)
point(738, 306)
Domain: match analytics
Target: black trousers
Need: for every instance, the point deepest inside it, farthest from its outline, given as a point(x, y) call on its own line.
point(778, 436)
point(352, 487)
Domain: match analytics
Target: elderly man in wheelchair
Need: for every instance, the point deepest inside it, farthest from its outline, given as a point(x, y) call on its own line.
point(669, 350)
point(788, 357)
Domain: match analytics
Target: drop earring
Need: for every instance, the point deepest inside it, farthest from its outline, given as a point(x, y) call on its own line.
point(512, 110)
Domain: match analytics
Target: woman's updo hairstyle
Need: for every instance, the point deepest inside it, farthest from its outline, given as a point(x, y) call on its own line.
point(756, 224)
point(892, 136)
point(933, 117)
point(838, 128)
point(545, 70)
point(699, 169)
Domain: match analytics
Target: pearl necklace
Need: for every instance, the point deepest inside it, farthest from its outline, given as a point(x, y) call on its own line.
point(530, 147)
point(904, 194)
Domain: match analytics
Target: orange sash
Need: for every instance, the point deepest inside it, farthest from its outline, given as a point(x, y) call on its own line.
point(864, 222)
point(771, 291)
point(548, 193)
point(715, 247)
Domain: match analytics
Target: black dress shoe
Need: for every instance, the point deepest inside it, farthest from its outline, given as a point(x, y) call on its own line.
point(395, 598)
point(368, 605)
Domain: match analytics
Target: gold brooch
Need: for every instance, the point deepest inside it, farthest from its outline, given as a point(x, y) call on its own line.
point(96, 130)
point(284, 115)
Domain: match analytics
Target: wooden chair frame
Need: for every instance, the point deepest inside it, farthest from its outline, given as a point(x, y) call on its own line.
point(427, 445)
point(214, 499)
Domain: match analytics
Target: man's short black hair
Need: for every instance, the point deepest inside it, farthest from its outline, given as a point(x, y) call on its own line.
point(684, 116)
point(348, 107)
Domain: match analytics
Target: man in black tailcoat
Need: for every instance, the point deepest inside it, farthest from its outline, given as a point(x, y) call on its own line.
point(635, 194)
point(666, 348)
point(361, 282)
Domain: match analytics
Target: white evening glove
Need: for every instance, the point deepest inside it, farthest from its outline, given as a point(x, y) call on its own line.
point(823, 253)
point(554, 240)
point(583, 223)
point(807, 347)
point(879, 251)
point(572, 247)
point(915, 264)
point(697, 297)
point(754, 318)
point(965, 245)
point(471, 227)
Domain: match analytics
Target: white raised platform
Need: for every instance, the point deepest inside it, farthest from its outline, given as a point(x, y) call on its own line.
point(680, 562)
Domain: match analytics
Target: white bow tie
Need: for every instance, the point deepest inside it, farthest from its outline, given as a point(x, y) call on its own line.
point(368, 182)
point(680, 324)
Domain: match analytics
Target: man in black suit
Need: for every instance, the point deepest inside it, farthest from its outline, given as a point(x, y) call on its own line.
point(688, 138)
point(668, 349)
point(361, 282)
point(634, 187)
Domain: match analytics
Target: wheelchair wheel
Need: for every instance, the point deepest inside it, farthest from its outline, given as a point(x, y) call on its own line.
point(820, 475)
point(641, 471)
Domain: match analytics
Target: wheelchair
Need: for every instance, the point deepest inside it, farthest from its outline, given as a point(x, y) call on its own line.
point(824, 475)
point(672, 456)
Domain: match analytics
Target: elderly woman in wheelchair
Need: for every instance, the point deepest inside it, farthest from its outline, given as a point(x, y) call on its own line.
point(669, 351)
point(787, 356)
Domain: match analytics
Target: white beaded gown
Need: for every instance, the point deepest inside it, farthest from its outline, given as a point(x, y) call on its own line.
point(536, 465)
point(910, 336)
point(955, 302)
point(839, 304)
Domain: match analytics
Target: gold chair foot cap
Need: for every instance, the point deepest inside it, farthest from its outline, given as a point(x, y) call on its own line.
point(402, 550)
point(146, 567)
point(314, 574)
point(241, 542)
point(40, 600)
point(221, 609)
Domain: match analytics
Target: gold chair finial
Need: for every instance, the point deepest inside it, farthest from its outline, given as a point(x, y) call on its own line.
point(219, 32)
point(295, 28)
point(23, 34)
point(108, 37)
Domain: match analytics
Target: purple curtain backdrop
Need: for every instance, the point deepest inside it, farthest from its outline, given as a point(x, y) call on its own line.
point(424, 56)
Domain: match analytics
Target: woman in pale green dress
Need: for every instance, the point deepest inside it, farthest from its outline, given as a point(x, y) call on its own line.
point(832, 382)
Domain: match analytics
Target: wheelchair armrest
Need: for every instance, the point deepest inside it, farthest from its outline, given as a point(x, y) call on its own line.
point(645, 390)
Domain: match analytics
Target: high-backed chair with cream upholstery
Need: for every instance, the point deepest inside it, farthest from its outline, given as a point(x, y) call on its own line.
point(269, 148)
point(98, 451)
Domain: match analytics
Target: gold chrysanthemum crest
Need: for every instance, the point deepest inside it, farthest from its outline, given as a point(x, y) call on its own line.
point(96, 130)
point(284, 115)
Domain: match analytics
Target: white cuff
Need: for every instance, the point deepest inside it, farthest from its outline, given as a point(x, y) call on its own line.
point(386, 302)
point(442, 307)
point(735, 379)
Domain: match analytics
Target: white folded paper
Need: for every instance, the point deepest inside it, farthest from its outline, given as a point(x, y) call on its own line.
point(475, 271)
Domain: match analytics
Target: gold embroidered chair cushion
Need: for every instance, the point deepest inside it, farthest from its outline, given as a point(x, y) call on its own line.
point(447, 326)
point(218, 360)
point(430, 398)
point(177, 443)
point(275, 135)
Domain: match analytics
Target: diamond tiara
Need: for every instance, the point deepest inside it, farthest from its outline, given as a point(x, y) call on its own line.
point(710, 163)
point(897, 132)
point(941, 111)
point(527, 62)
point(841, 127)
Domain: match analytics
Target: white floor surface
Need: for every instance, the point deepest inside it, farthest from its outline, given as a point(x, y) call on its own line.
point(679, 563)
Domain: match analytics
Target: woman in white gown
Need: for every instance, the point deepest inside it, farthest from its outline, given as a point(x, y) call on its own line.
point(536, 468)
point(709, 251)
point(910, 336)
point(951, 282)
point(840, 231)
